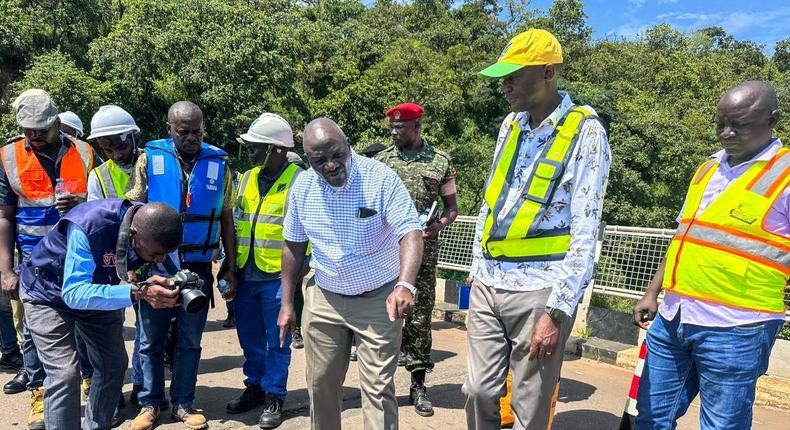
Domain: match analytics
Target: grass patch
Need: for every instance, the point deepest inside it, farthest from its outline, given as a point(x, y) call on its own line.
point(619, 304)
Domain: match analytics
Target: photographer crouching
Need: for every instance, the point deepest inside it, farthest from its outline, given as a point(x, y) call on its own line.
point(70, 284)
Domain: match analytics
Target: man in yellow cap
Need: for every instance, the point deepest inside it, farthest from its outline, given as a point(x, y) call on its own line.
point(534, 238)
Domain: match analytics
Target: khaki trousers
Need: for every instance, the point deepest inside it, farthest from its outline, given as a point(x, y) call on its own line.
point(329, 321)
point(19, 319)
point(499, 331)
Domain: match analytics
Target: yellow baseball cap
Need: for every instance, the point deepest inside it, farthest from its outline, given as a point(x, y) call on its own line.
point(533, 47)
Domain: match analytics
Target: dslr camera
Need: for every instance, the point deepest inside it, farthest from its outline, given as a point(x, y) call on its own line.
point(191, 295)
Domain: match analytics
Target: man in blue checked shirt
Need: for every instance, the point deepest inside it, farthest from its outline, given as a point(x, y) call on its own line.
point(367, 247)
point(70, 284)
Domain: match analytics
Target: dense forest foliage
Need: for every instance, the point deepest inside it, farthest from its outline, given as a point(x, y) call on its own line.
point(348, 61)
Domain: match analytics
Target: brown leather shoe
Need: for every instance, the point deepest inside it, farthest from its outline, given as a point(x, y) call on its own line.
point(145, 419)
point(35, 421)
point(191, 418)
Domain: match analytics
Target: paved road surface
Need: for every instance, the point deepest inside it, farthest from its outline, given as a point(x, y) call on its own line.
point(592, 394)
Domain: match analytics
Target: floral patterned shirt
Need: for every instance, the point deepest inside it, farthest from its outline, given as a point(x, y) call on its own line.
point(577, 202)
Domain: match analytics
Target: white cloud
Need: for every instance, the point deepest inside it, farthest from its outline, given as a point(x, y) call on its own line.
point(628, 31)
point(667, 1)
point(637, 3)
point(764, 27)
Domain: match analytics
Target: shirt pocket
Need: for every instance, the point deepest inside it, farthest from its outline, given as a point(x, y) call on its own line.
point(432, 181)
point(366, 233)
point(37, 182)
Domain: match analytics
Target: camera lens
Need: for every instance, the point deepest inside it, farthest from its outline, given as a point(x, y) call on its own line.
point(193, 300)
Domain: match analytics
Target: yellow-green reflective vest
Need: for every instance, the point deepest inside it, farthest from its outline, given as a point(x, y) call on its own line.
point(112, 179)
point(515, 236)
point(724, 254)
point(265, 217)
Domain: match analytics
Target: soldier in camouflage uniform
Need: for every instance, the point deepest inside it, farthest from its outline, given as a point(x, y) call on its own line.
point(427, 174)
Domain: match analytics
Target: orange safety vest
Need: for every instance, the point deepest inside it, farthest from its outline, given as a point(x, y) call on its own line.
point(36, 214)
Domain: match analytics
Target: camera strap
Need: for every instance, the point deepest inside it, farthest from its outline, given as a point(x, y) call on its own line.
point(122, 247)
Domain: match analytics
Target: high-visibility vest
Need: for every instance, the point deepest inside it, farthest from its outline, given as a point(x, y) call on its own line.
point(112, 180)
point(199, 199)
point(36, 214)
point(724, 254)
point(265, 217)
point(516, 236)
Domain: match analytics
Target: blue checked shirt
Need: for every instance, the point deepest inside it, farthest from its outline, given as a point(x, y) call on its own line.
point(577, 203)
point(352, 254)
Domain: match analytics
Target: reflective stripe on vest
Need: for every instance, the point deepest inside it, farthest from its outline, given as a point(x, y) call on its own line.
point(36, 214)
point(112, 180)
point(723, 254)
point(199, 200)
point(516, 237)
point(263, 219)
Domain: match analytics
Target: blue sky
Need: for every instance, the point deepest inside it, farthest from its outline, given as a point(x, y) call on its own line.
point(764, 21)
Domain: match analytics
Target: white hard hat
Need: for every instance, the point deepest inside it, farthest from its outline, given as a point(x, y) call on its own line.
point(111, 120)
point(270, 128)
point(72, 120)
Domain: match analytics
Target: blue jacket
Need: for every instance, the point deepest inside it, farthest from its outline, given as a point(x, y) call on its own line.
point(41, 274)
point(199, 200)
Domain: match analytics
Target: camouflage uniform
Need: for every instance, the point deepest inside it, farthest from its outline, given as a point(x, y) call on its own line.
point(424, 172)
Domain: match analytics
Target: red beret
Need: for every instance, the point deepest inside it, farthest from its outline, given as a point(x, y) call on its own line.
point(405, 112)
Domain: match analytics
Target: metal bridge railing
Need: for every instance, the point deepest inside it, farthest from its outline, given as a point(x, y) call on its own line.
point(626, 261)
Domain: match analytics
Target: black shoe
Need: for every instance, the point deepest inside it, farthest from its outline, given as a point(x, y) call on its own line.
point(11, 362)
point(296, 340)
point(353, 355)
point(117, 418)
point(121, 401)
point(252, 396)
point(229, 322)
point(419, 398)
point(401, 359)
point(133, 398)
point(18, 384)
point(272, 415)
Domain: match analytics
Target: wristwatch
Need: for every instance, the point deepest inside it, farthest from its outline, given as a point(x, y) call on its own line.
point(555, 314)
point(412, 289)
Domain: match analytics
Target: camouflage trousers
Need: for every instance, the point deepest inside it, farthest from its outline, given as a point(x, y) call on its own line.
point(416, 344)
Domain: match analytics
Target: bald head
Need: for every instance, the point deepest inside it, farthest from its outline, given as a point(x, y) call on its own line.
point(184, 109)
point(756, 95)
point(158, 223)
point(322, 131)
point(185, 126)
point(745, 118)
point(328, 151)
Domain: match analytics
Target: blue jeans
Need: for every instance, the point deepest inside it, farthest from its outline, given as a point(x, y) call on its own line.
point(8, 345)
point(722, 364)
point(257, 307)
point(137, 365)
point(154, 324)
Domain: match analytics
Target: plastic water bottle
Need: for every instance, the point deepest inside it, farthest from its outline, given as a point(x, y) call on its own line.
point(60, 191)
point(224, 286)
